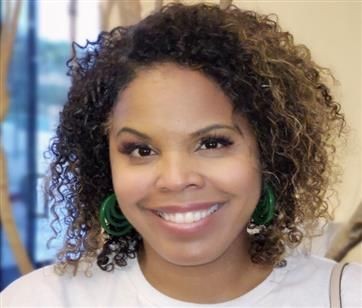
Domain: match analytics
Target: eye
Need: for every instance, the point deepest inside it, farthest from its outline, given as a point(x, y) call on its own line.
point(215, 142)
point(136, 149)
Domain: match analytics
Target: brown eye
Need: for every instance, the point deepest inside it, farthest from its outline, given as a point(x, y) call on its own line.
point(215, 142)
point(143, 151)
point(212, 144)
point(136, 150)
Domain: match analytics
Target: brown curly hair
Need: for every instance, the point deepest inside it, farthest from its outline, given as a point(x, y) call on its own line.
point(272, 81)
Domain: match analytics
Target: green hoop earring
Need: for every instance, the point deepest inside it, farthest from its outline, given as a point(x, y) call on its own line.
point(111, 218)
point(265, 209)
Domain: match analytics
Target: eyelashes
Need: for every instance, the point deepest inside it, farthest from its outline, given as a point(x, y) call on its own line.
point(214, 140)
point(208, 143)
point(128, 147)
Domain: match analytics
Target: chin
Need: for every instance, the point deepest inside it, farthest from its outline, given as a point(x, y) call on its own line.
point(191, 258)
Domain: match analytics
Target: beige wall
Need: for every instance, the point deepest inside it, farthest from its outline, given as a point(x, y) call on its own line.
point(332, 31)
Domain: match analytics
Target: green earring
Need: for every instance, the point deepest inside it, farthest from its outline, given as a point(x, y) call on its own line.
point(112, 219)
point(265, 208)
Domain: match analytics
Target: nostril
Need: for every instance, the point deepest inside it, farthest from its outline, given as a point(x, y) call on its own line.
point(179, 182)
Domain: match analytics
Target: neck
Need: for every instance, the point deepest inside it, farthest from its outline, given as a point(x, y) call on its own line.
point(228, 277)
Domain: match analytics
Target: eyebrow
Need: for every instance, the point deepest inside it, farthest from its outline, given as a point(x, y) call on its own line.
point(134, 132)
point(196, 134)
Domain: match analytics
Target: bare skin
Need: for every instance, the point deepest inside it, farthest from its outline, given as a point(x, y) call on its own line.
point(174, 143)
point(224, 279)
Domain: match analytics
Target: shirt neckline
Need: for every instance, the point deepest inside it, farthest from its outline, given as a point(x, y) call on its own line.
point(148, 293)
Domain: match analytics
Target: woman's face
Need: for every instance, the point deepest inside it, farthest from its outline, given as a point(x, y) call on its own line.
point(186, 175)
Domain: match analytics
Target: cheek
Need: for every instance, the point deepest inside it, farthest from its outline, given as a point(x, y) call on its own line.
point(237, 176)
point(131, 185)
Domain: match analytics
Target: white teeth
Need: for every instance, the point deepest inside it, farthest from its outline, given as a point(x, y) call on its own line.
point(188, 217)
point(197, 216)
point(179, 218)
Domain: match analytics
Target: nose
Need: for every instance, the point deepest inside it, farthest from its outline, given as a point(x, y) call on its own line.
point(178, 172)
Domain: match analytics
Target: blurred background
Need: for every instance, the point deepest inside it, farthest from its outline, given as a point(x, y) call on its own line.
point(36, 41)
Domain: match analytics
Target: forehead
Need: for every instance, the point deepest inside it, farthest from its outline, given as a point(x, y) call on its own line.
point(172, 93)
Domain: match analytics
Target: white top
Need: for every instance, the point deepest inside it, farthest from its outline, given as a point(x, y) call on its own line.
point(304, 282)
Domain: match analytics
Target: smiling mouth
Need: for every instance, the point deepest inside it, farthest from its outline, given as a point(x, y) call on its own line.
point(188, 217)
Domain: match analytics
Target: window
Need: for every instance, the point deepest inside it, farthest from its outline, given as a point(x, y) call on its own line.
point(37, 85)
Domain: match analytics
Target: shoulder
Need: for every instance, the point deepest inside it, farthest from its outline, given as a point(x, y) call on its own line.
point(314, 269)
point(319, 269)
point(351, 285)
point(45, 288)
point(305, 274)
point(22, 291)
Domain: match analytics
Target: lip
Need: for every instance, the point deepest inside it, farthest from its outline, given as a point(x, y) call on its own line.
point(190, 207)
point(201, 227)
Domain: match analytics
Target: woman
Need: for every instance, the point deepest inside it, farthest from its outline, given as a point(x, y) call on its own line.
point(195, 148)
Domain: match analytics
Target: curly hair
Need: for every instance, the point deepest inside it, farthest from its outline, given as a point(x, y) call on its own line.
point(269, 79)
